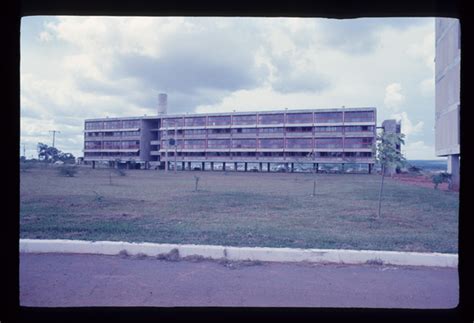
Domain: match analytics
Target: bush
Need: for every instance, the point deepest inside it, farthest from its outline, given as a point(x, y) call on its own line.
point(24, 166)
point(441, 178)
point(121, 172)
point(69, 171)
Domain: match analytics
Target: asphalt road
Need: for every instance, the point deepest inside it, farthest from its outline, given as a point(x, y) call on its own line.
point(72, 280)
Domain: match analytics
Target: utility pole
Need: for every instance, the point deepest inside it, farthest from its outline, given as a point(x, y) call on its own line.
point(54, 135)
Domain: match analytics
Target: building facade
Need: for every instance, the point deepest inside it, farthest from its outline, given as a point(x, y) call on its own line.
point(315, 137)
point(447, 88)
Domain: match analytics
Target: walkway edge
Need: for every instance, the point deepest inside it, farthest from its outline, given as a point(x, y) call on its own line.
point(242, 253)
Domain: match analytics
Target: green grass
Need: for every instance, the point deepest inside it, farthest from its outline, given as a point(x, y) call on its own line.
point(238, 209)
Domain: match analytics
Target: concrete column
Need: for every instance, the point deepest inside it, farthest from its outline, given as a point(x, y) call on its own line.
point(453, 169)
point(93, 164)
point(245, 166)
point(189, 165)
point(259, 167)
point(342, 168)
point(370, 168)
point(183, 165)
point(317, 168)
point(286, 166)
point(268, 167)
point(235, 166)
point(292, 167)
point(203, 166)
point(212, 165)
point(223, 166)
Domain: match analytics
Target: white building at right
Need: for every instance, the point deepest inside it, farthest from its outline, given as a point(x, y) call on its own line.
point(447, 89)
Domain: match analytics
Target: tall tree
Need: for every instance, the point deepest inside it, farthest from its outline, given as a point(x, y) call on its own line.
point(388, 156)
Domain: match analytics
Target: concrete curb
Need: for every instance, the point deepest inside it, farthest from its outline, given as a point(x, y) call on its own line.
point(242, 253)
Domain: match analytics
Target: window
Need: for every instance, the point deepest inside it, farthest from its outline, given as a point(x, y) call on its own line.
point(131, 124)
point(195, 143)
point(112, 124)
point(172, 122)
point(328, 143)
point(358, 128)
point(130, 133)
point(299, 118)
point(218, 131)
point(271, 143)
point(218, 143)
point(195, 121)
point(92, 145)
point(359, 116)
point(270, 130)
point(299, 129)
point(271, 118)
point(131, 144)
point(327, 117)
point(93, 134)
point(111, 144)
point(329, 154)
point(358, 143)
point(244, 119)
point(218, 120)
point(328, 129)
point(190, 132)
point(299, 143)
point(244, 143)
point(112, 134)
point(94, 125)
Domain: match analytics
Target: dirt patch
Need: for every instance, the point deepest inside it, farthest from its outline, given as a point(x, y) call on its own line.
point(421, 180)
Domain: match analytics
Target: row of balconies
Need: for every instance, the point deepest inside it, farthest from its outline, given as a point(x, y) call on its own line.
point(276, 125)
point(274, 135)
point(163, 151)
point(114, 138)
point(272, 159)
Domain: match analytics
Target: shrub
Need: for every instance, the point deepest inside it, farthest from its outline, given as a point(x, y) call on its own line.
point(24, 166)
point(121, 172)
point(66, 170)
point(441, 178)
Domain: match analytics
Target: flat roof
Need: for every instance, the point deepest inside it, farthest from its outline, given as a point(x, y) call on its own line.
point(166, 116)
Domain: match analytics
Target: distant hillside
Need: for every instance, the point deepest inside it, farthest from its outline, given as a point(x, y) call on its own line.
point(433, 165)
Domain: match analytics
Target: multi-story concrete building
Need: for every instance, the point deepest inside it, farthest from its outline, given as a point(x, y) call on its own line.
point(233, 140)
point(447, 85)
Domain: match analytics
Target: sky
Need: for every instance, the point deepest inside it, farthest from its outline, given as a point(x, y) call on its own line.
point(74, 68)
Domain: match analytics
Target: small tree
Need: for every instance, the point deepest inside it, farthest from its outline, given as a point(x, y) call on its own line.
point(387, 156)
point(309, 158)
point(196, 182)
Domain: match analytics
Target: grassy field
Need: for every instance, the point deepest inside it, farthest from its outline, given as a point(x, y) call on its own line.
point(237, 209)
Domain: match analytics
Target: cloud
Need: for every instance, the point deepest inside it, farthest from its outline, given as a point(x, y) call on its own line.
point(44, 36)
point(427, 87)
point(393, 96)
point(424, 49)
point(408, 128)
point(116, 66)
point(418, 150)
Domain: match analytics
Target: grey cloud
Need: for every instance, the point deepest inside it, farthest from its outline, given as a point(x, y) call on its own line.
point(207, 62)
point(358, 36)
point(289, 79)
